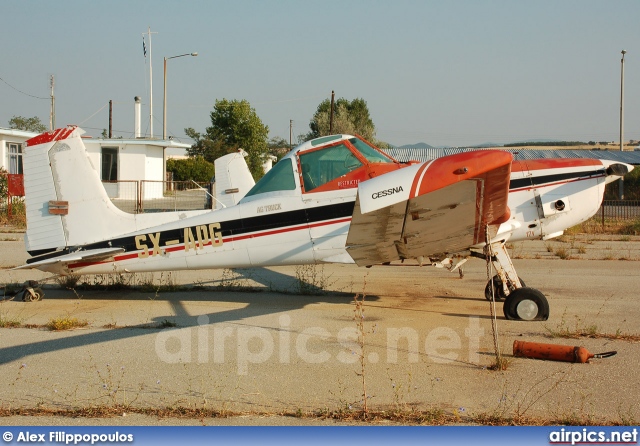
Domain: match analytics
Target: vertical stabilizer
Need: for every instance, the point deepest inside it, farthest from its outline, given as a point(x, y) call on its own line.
point(66, 203)
point(233, 179)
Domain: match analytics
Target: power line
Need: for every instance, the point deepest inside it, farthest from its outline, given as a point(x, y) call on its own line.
point(20, 91)
point(99, 110)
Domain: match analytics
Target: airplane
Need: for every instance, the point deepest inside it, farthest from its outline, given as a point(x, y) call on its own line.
point(334, 199)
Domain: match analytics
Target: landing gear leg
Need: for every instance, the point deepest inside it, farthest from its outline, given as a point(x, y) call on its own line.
point(521, 302)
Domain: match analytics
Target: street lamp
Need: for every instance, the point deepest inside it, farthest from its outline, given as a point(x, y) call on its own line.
point(622, 101)
point(164, 105)
point(621, 181)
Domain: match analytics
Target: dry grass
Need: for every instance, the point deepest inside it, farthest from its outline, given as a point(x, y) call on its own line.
point(65, 323)
point(427, 417)
point(9, 322)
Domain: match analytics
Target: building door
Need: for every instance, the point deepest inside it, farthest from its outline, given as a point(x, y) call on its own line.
point(109, 171)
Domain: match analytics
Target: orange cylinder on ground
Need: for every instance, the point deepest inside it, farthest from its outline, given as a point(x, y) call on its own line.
point(551, 352)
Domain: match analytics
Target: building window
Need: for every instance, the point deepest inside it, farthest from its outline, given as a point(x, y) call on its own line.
point(109, 164)
point(15, 158)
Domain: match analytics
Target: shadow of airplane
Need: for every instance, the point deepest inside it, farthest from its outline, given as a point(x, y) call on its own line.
point(259, 304)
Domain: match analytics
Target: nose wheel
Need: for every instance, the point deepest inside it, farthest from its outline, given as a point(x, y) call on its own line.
point(521, 303)
point(526, 304)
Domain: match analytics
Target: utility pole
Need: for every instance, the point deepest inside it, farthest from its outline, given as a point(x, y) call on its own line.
point(52, 113)
point(621, 183)
point(331, 114)
point(110, 119)
point(290, 133)
point(622, 101)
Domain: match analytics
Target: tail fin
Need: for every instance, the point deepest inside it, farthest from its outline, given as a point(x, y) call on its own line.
point(67, 205)
point(233, 179)
point(65, 200)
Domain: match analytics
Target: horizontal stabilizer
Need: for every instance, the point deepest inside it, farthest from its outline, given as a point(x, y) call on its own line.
point(92, 255)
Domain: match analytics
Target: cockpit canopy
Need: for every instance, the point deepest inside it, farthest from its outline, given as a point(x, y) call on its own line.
point(324, 164)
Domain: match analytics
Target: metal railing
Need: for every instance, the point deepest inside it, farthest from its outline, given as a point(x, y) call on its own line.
point(163, 196)
point(619, 210)
point(125, 194)
point(136, 197)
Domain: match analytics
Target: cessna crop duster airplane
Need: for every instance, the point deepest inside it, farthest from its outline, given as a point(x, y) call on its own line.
point(335, 199)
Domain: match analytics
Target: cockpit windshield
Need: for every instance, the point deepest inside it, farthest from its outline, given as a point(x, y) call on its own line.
point(324, 165)
point(371, 154)
point(279, 178)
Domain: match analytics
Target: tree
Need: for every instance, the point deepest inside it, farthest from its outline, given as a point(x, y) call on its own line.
point(234, 125)
point(27, 124)
point(278, 147)
point(204, 147)
point(193, 168)
point(348, 117)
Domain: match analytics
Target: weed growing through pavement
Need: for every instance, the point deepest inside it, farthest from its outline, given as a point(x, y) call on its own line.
point(563, 253)
point(166, 323)
point(232, 281)
point(113, 388)
point(311, 280)
point(401, 391)
point(6, 322)
point(65, 323)
point(581, 329)
point(500, 363)
point(68, 282)
point(516, 404)
point(359, 318)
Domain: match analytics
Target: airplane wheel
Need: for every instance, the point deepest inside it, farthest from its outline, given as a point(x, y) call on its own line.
point(526, 304)
point(34, 296)
point(498, 292)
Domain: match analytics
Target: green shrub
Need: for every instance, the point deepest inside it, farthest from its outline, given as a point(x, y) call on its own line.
point(193, 168)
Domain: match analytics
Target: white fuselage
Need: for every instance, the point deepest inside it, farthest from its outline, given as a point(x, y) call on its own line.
point(288, 227)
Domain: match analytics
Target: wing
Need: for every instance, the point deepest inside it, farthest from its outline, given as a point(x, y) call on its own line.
point(430, 209)
point(57, 262)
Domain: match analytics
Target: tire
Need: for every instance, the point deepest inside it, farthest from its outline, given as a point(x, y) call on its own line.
point(526, 304)
point(37, 295)
point(498, 291)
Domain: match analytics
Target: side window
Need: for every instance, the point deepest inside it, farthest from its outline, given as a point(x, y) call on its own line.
point(279, 178)
point(109, 164)
point(321, 166)
point(15, 158)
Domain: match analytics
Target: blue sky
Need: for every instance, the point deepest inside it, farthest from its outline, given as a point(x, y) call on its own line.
point(446, 73)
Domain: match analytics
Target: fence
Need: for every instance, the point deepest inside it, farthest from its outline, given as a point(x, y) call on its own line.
point(124, 194)
point(618, 211)
point(163, 196)
point(11, 187)
point(137, 197)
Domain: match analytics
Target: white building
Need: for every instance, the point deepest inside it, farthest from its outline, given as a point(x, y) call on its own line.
point(12, 143)
point(125, 162)
point(121, 163)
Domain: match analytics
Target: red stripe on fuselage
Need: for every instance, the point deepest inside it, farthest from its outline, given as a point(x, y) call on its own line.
point(224, 240)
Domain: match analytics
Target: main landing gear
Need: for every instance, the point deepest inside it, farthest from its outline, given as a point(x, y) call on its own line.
point(520, 302)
